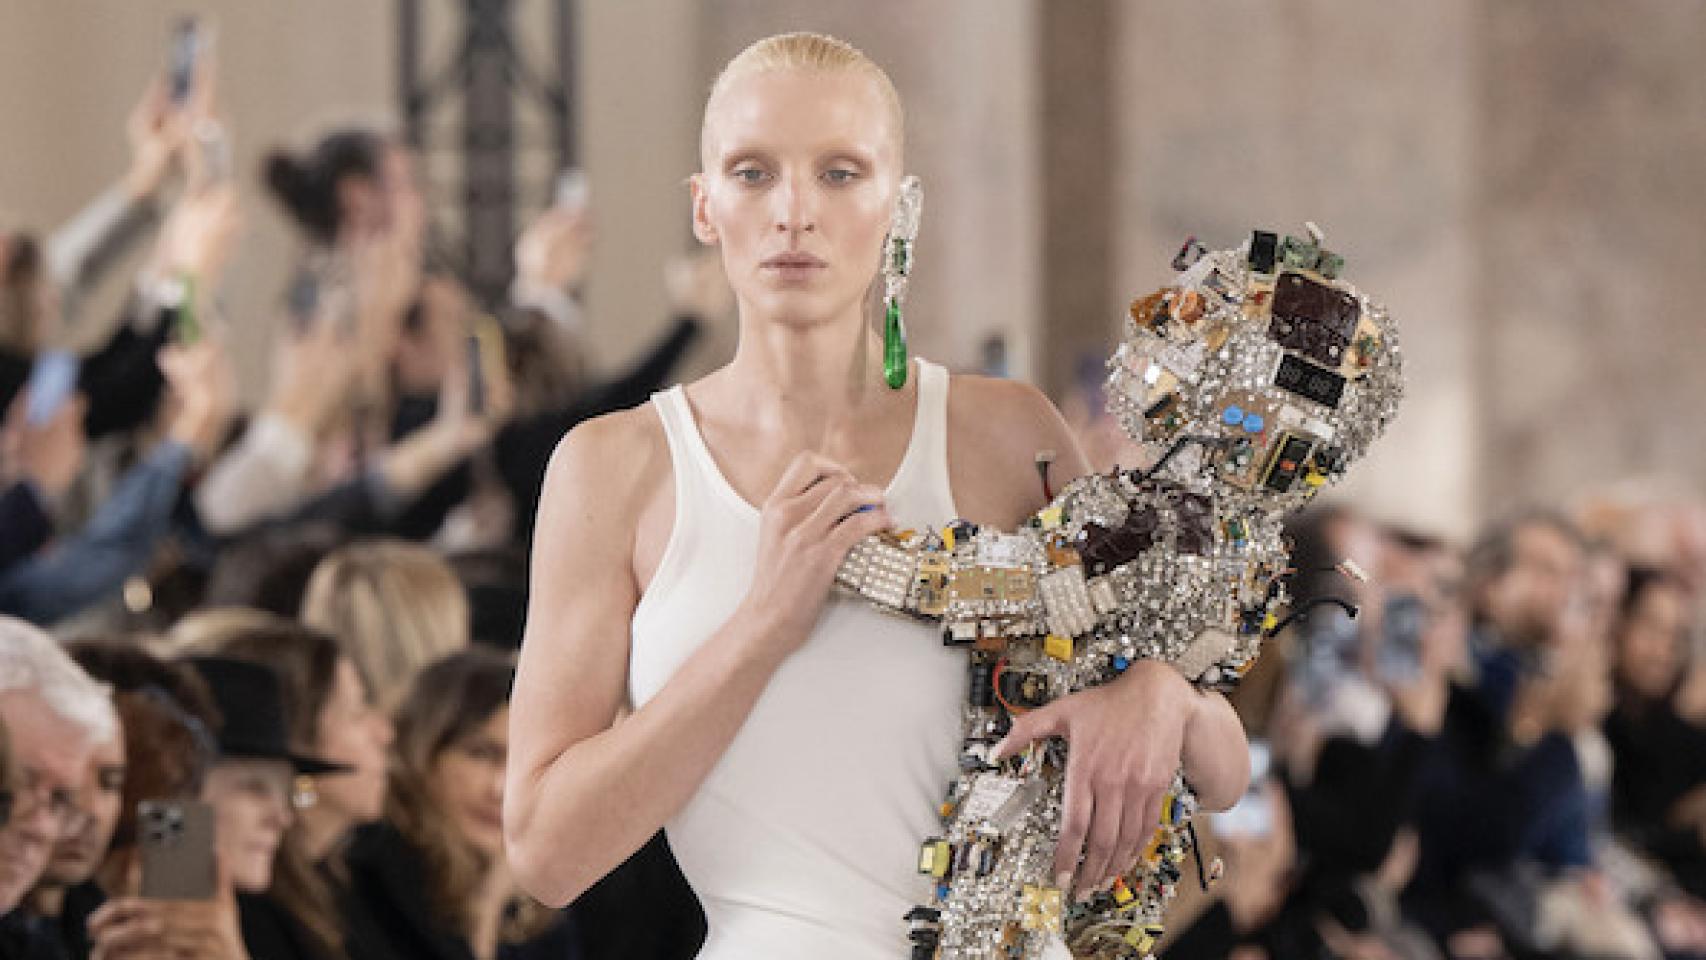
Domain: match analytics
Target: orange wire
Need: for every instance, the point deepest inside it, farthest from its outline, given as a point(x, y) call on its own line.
point(995, 681)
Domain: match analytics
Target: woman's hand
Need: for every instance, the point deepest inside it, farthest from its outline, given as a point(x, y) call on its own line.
point(1126, 740)
point(312, 373)
point(134, 928)
point(817, 512)
point(51, 454)
point(199, 236)
point(156, 129)
point(551, 254)
point(203, 394)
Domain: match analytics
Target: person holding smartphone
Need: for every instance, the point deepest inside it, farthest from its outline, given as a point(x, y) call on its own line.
point(251, 790)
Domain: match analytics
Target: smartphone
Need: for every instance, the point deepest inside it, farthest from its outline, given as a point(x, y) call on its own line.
point(186, 50)
point(476, 376)
point(573, 192)
point(485, 360)
point(1399, 657)
point(53, 378)
point(176, 839)
point(1252, 817)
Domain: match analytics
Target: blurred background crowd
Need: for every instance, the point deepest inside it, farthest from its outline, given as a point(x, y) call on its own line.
point(264, 532)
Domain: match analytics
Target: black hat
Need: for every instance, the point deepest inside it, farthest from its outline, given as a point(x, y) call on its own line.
point(251, 706)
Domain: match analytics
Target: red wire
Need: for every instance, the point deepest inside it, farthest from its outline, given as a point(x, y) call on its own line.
point(995, 681)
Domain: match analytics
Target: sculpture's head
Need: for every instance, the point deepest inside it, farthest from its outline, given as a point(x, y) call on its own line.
point(1269, 371)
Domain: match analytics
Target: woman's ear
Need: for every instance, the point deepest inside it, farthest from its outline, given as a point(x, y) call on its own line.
point(703, 230)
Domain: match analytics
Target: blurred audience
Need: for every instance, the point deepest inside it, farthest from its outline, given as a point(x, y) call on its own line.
point(400, 605)
point(288, 613)
point(438, 855)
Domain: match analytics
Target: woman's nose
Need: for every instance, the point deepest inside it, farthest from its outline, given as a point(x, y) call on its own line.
point(794, 207)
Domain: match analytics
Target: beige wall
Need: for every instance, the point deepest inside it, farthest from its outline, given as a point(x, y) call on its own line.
point(1359, 117)
point(1522, 187)
point(73, 68)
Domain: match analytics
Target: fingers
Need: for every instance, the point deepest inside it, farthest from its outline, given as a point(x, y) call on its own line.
point(842, 498)
point(1106, 811)
point(1135, 831)
point(1040, 724)
point(1076, 807)
point(858, 525)
point(805, 472)
point(127, 925)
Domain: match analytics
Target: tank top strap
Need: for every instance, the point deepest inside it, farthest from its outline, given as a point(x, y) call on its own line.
point(922, 492)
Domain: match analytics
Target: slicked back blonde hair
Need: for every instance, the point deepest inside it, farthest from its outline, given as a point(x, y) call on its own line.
point(808, 52)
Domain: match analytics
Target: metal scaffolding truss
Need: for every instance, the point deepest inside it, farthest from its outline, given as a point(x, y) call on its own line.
point(489, 76)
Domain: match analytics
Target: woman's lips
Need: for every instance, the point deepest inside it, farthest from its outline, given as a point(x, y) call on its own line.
point(792, 268)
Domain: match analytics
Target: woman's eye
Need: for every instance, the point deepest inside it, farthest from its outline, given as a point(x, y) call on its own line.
point(750, 175)
point(839, 175)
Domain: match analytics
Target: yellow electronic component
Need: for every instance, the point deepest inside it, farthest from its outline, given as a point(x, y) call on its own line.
point(1152, 852)
point(1143, 938)
point(1051, 517)
point(948, 537)
point(935, 857)
point(1122, 893)
point(1058, 647)
point(1043, 908)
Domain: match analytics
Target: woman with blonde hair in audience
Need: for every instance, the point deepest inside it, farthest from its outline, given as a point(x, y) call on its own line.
point(398, 606)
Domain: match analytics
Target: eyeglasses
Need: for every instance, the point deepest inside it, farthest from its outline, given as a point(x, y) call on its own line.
point(33, 795)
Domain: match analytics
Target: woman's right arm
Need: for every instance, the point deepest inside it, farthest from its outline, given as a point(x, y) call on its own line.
point(583, 792)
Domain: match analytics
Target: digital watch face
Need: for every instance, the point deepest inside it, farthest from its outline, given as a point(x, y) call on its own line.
point(1309, 381)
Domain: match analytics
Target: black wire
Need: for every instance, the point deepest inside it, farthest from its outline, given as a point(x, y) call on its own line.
point(1309, 607)
point(1196, 851)
point(1143, 476)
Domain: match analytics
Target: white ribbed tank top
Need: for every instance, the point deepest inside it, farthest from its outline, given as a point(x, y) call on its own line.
point(803, 840)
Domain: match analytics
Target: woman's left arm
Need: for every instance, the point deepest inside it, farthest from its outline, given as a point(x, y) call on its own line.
point(1127, 737)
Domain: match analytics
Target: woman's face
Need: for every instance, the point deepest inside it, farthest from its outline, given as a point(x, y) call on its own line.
point(389, 199)
point(251, 803)
point(800, 172)
point(354, 732)
point(468, 783)
point(101, 796)
point(1649, 651)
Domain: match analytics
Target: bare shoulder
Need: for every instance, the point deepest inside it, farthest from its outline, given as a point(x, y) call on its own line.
point(610, 459)
point(996, 428)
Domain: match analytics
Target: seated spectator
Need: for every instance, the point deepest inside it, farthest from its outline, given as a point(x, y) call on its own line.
point(399, 606)
point(1659, 779)
point(430, 882)
point(55, 715)
point(252, 791)
point(1502, 807)
point(330, 715)
point(167, 720)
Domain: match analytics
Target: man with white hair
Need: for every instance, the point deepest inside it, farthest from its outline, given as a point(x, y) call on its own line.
point(55, 714)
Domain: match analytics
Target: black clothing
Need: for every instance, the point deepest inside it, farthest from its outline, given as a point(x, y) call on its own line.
point(25, 526)
point(523, 448)
point(271, 933)
point(25, 937)
point(1660, 758)
point(390, 914)
point(642, 910)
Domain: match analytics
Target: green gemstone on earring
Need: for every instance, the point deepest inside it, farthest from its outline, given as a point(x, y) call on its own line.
point(894, 348)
